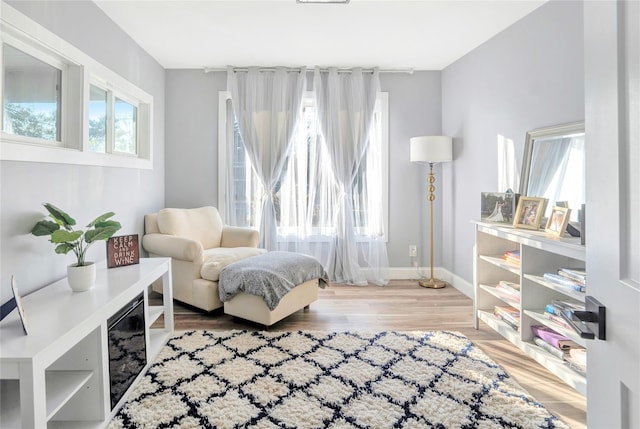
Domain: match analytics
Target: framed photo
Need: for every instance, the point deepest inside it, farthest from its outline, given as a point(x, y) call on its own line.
point(529, 213)
point(498, 206)
point(19, 306)
point(558, 220)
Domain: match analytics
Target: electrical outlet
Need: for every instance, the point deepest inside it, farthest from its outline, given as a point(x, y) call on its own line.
point(413, 251)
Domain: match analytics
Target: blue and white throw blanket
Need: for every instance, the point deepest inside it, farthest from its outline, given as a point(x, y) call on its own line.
point(270, 275)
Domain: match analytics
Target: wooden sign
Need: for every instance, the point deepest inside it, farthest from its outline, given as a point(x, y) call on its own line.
point(123, 250)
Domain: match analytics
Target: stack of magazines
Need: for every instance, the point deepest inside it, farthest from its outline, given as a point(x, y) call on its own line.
point(509, 289)
point(578, 275)
point(561, 347)
point(509, 315)
point(560, 310)
point(512, 257)
point(570, 278)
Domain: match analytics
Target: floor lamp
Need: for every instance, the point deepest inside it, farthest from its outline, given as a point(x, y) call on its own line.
point(430, 150)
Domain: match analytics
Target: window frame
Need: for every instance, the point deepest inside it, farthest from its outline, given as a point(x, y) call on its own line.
point(112, 95)
point(80, 72)
point(51, 60)
point(224, 96)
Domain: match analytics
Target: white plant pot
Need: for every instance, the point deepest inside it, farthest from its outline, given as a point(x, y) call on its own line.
point(81, 278)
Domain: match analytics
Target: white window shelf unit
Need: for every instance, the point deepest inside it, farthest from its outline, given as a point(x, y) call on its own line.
point(57, 376)
point(539, 253)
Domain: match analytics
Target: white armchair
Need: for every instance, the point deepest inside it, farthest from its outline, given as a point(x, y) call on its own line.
point(199, 246)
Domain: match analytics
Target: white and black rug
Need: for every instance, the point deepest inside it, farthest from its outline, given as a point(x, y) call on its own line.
point(233, 379)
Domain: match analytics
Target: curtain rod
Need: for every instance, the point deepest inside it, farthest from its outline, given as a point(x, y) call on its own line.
point(340, 70)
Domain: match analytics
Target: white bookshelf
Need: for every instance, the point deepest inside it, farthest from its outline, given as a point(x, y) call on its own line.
point(58, 375)
point(539, 253)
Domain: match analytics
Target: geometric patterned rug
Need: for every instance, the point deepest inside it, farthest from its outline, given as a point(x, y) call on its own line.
point(312, 379)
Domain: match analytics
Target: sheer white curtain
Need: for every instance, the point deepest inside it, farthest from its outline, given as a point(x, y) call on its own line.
point(306, 194)
point(267, 106)
point(345, 103)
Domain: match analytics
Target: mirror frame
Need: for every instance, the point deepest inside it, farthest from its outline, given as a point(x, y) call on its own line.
point(532, 136)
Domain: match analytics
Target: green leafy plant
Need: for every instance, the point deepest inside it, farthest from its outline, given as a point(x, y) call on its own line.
point(66, 238)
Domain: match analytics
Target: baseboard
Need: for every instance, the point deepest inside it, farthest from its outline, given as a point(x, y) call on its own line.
point(458, 282)
point(408, 273)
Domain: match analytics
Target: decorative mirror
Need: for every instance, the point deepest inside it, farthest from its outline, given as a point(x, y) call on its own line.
point(553, 166)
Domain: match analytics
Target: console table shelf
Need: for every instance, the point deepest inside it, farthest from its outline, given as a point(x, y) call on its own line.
point(61, 386)
point(58, 375)
point(539, 253)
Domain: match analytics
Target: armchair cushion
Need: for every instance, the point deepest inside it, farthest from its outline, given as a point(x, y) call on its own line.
point(217, 259)
point(202, 224)
point(180, 248)
point(234, 236)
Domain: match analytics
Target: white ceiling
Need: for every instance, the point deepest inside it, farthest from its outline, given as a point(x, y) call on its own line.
point(391, 34)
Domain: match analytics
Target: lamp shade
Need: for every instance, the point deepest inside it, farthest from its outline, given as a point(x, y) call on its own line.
point(431, 149)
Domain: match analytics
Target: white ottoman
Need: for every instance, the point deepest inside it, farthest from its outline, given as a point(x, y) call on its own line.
point(269, 287)
point(252, 307)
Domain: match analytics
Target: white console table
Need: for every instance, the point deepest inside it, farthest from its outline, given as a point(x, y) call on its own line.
point(58, 375)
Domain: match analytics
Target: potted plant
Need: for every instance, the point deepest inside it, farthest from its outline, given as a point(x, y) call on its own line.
point(81, 275)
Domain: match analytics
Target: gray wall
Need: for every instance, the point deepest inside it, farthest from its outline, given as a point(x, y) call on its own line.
point(83, 191)
point(192, 152)
point(191, 127)
point(414, 110)
point(529, 76)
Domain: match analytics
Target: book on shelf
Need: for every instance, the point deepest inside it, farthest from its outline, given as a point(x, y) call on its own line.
point(578, 275)
point(568, 305)
point(507, 297)
point(579, 356)
point(513, 253)
point(512, 256)
point(560, 307)
point(558, 319)
point(507, 313)
point(562, 281)
point(549, 348)
point(509, 289)
point(509, 323)
point(554, 310)
point(554, 338)
point(577, 359)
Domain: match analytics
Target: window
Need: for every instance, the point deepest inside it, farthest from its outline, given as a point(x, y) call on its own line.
point(32, 96)
point(125, 125)
point(59, 105)
point(98, 109)
point(113, 123)
point(305, 189)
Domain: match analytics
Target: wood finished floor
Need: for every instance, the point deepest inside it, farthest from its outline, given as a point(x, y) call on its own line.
point(402, 305)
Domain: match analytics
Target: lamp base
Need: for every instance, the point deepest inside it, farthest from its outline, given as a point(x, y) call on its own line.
point(432, 283)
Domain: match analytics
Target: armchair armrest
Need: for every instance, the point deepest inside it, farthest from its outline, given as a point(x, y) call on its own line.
point(233, 236)
point(172, 246)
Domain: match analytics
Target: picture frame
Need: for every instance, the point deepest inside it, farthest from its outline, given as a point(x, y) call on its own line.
point(558, 220)
point(529, 213)
point(19, 306)
point(498, 207)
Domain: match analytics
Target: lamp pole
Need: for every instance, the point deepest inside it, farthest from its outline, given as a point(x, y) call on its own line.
point(432, 282)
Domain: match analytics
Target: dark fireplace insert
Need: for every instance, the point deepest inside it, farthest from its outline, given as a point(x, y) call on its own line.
point(127, 347)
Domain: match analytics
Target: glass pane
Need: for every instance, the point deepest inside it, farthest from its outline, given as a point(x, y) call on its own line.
point(97, 119)
point(246, 185)
point(125, 127)
point(32, 96)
